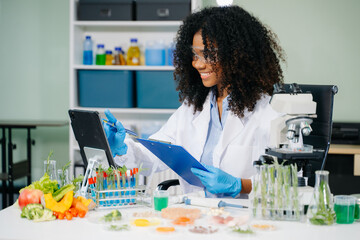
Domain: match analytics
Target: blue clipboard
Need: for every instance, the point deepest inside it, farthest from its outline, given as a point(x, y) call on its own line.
point(176, 158)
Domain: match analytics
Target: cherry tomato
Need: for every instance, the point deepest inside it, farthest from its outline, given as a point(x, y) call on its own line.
point(68, 215)
point(61, 216)
point(56, 214)
point(82, 214)
point(74, 212)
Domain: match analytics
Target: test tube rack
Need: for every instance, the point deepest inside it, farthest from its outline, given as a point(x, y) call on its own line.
point(118, 198)
point(275, 194)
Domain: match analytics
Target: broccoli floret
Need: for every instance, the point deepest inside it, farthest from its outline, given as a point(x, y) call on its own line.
point(46, 216)
point(29, 210)
point(37, 213)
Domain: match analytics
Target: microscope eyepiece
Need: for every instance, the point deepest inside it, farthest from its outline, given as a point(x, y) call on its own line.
point(294, 88)
point(279, 88)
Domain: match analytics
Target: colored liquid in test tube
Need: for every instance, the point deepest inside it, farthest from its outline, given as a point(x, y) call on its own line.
point(116, 185)
point(105, 187)
point(127, 186)
point(92, 187)
point(133, 179)
point(111, 185)
point(132, 185)
point(122, 187)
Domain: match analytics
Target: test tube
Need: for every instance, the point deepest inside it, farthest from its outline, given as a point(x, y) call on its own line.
point(132, 185)
point(116, 187)
point(105, 188)
point(122, 185)
point(127, 185)
point(92, 187)
point(136, 176)
point(110, 187)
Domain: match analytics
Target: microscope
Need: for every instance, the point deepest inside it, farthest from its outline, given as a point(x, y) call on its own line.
point(288, 131)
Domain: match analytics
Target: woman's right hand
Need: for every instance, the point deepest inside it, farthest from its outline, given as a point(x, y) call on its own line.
point(115, 134)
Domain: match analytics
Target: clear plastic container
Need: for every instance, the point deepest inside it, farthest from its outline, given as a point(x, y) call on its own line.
point(170, 54)
point(344, 208)
point(88, 51)
point(133, 53)
point(155, 53)
point(161, 199)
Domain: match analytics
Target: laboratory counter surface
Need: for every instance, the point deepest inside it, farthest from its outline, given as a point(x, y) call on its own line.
point(12, 226)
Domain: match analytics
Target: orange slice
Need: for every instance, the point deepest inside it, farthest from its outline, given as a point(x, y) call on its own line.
point(182, 221)
point(165, 229)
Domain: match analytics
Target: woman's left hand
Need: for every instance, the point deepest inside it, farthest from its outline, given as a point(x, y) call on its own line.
point(217, 181)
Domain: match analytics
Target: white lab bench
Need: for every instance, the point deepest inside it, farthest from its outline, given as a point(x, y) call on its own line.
point(14, 227)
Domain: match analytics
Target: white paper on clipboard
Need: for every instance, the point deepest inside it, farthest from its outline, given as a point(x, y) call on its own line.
point(176, 158)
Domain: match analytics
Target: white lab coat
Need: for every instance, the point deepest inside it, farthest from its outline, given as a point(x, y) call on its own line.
point(242, 141)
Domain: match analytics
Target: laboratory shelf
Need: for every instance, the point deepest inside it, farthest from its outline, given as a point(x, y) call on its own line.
point(131, 110)
point(123, 67)
point(131, 24)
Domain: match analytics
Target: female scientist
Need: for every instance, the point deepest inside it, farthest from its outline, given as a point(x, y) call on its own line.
point(226, 63)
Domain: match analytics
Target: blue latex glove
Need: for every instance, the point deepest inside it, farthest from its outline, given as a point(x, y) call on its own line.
point(217, 181)
point(115, 135)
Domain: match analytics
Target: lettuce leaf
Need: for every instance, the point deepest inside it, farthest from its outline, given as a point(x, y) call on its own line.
point(45, 184)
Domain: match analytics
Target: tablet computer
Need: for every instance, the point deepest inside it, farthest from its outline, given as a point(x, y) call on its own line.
point(176, 158)
point(89, 133)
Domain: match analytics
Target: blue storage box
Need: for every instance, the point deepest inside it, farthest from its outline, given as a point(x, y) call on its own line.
point(156, 89)
point(106, 88)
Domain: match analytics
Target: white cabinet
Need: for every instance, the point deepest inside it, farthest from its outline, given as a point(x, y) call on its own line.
point(117, 33)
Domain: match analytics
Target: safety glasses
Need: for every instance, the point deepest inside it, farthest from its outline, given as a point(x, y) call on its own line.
point(198, 54)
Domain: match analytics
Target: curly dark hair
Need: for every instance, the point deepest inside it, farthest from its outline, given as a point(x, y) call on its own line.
point(240, 45)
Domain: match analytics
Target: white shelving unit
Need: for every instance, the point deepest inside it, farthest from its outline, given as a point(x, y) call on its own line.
point(116, 33)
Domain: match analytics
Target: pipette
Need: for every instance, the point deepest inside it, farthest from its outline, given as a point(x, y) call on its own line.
point(128, 131)
point(208, 202)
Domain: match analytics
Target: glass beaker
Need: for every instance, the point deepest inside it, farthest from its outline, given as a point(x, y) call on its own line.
point(320, 210)
point(50, 169)
point(63, 177)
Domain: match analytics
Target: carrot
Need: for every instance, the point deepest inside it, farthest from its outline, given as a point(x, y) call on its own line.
point(79, 206)
point(68, 215)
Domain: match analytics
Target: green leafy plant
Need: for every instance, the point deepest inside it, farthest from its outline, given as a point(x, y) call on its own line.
point(263, 188)
point(114, 215)
point(48, 161)
point(123, 227)
point(76, 182)
point(296, 204)
point(243, 230)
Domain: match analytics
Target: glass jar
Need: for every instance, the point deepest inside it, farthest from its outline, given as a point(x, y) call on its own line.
point(321, 208)
point(50, 169)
